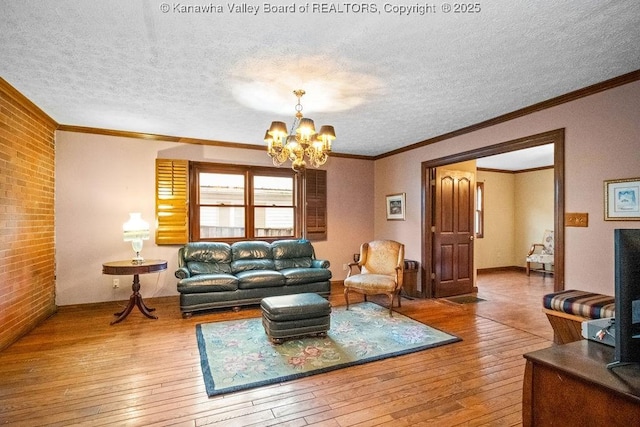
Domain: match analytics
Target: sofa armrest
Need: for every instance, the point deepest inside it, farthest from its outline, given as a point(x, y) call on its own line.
point(182, 273)
point(320, 263)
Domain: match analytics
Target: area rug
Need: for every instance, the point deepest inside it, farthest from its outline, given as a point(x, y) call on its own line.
point(236, 355)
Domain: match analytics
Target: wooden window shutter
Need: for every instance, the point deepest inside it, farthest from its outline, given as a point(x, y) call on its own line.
point(316, 199)
point(172, 201)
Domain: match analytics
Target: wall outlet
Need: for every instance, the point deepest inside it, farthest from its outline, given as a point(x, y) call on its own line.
point(116, 283)
point(345, 267)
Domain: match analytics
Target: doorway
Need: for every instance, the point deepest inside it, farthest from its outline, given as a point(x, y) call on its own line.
point(430, 281)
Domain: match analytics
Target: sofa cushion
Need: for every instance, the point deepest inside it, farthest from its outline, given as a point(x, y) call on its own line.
point(292, 253)
point(250, 250)
point(294, 276)
point(281, 264)
point(251, 255)
point(251, 264)
point(252, 279)
point(208, 257)
point(197, 267)
point(208, 283)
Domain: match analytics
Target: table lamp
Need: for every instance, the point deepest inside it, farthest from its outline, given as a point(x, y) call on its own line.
point(135, 231)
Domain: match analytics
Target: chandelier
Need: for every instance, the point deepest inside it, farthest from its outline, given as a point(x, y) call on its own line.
point(301, 141)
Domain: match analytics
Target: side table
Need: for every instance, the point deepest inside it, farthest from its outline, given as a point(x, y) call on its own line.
point(124, 268)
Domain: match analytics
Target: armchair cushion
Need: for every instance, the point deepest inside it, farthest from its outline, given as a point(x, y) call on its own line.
point(380, 257)
point(540, 258)
point(374, 283)
point(548, 242)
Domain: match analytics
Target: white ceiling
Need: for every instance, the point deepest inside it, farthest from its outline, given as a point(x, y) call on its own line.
point(383, 80)
point(528, 158)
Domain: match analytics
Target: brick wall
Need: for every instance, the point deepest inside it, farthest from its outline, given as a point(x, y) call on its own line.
point(27, 241)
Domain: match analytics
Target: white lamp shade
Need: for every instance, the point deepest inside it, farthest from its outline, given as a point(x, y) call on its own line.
point(136, 228)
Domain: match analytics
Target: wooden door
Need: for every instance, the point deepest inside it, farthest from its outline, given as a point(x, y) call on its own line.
point(453, 233)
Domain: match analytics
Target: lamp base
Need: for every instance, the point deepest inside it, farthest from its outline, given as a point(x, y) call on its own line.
point(137, 260)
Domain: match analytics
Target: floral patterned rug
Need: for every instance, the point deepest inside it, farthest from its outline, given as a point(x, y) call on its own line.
point(237, 355)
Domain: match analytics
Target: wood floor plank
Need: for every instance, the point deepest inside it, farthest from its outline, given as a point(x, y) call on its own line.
point(77, 369)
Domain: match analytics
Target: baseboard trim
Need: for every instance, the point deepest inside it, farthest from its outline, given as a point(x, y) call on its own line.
point(499, 269)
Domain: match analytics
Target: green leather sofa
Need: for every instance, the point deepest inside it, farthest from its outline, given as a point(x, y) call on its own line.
point(216, 275)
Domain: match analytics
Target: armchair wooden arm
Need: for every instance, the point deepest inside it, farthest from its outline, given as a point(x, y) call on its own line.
point(351, 265)
point(533, 248)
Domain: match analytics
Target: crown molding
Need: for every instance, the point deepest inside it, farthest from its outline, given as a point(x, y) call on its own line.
point(169, 138)
point(24, 102)
point(153, 136)
point(562, 99)
point(509, 171)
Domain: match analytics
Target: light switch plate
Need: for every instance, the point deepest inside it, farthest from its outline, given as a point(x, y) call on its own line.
point(576, 219)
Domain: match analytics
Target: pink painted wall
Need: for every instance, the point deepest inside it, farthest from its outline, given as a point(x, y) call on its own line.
point(100, 179)
point(602, 141)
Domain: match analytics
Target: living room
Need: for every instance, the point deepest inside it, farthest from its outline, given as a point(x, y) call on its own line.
point(604, 116)
point(100, 177)
point(600, 145)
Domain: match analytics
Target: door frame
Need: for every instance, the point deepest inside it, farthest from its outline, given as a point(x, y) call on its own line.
point(555, 137)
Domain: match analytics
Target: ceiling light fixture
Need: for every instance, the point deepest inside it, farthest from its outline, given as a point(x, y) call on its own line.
point(300, 141)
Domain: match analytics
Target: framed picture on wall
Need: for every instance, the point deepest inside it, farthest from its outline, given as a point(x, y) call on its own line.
point(622, 199)
point(395, 206)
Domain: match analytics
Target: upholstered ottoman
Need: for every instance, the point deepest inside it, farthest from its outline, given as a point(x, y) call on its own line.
point(566, 310)
point(289, 316)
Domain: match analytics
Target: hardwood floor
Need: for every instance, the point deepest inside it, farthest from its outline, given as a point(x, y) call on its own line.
point(76, 369)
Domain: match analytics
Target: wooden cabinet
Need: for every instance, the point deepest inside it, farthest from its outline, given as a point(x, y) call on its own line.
point(570, 385)
point(410, 279)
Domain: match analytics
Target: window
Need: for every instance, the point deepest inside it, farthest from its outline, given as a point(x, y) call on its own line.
point(221, 205)
point(237, 202)
point(479, 220)
point(274, 206)
point(229, 202)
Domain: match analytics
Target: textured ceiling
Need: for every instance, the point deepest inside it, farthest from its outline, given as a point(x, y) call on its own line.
point(384, 80)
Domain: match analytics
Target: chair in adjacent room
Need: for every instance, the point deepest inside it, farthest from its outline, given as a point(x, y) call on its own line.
point(542, 253)
point(380, 267)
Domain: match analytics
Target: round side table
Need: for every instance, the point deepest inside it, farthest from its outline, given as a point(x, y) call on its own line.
point(124, 268)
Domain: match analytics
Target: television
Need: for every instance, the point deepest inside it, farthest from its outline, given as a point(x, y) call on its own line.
point(627, 297)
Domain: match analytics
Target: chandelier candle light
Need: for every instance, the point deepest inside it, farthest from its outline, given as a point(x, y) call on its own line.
point(301, 141)
point(135, 231)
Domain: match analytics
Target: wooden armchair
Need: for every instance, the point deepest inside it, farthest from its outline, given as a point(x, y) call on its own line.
point(542, 253)
point(380, 266)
